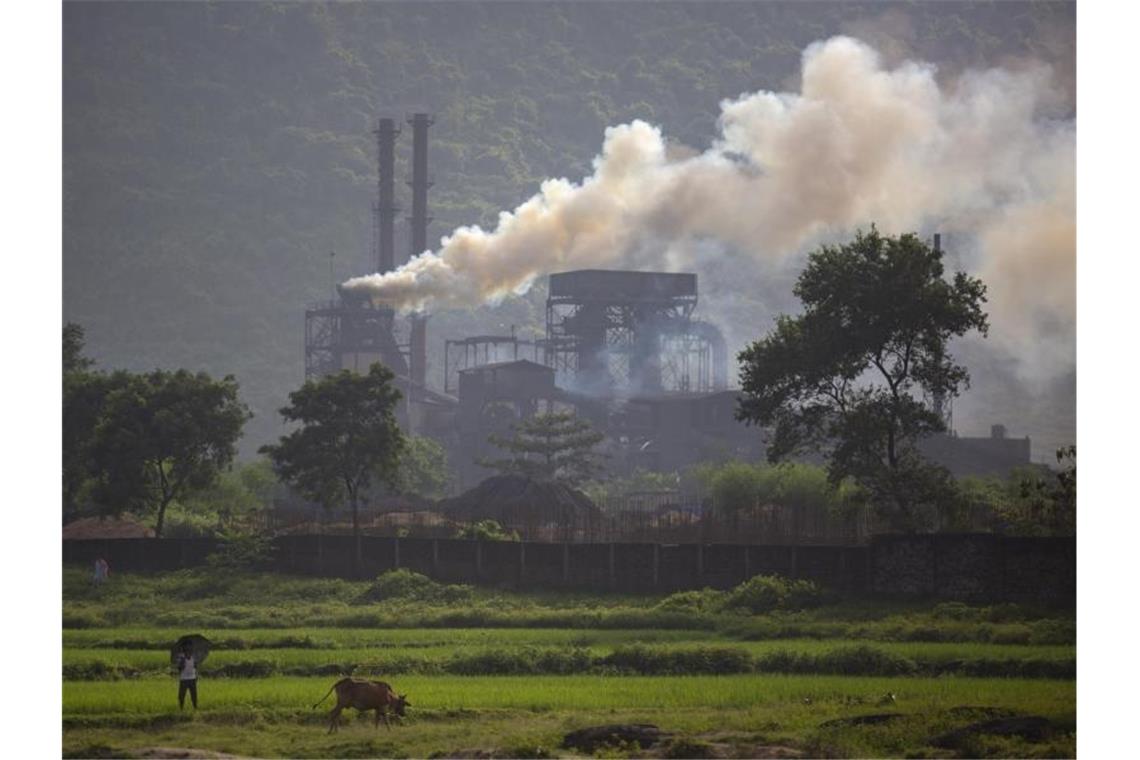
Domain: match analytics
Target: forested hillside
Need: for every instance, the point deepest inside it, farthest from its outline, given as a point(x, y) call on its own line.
point(216, 153)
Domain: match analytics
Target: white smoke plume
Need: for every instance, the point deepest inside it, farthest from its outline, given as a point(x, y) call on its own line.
point(861, 143)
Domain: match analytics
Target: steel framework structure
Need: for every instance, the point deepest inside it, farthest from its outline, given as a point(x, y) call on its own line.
point(341, 336)
point(478, 350)
point(615, 332)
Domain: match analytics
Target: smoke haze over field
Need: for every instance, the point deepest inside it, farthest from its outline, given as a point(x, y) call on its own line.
point(980, 158)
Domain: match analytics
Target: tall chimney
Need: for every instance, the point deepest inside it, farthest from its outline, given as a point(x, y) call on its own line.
point(386, 208)
point(420, 220)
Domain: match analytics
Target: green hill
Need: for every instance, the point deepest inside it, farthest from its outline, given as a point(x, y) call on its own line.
point(215, 153)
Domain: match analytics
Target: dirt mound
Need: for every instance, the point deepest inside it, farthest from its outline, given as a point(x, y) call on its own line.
point(180, 753)
point(1032, 728)
point(105, 527)
point(516, 499)
point(590, 739)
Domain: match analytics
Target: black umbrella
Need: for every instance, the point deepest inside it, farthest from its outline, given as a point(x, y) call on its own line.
point(199, 647)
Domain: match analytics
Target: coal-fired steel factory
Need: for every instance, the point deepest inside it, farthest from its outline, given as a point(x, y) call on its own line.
point(622, 349)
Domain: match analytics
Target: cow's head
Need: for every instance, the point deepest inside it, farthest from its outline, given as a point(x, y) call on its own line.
point(400, 704)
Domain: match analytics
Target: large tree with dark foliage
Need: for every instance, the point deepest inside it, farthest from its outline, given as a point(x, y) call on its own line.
point(163, 435)
point(847, 377)
point(83, 393)
point(347, 437)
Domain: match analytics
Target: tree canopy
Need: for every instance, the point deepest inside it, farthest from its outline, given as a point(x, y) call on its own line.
point(423, 468)
point(348, 436)
point(83, 393)
point(851, 376)
point(555, 446)
point(162, 435)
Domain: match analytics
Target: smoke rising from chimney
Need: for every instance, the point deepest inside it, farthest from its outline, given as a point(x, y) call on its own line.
point(860, 143)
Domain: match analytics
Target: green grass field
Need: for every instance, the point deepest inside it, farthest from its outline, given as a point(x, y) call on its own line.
point(258, 687)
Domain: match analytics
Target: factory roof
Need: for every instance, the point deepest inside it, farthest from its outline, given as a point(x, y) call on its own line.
point(520, 365)
point(622, 285)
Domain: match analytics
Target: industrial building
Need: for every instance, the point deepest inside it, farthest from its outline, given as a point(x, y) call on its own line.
point(621, 348)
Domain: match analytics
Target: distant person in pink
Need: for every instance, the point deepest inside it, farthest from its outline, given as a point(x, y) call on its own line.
point(102, 571)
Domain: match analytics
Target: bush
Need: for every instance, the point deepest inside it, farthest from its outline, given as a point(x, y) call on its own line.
point(865, 660)
point(486, 530)
point(954, 611)
point(242, 552)
point(702, 660)
point(83, 620)
point(705, 600)
point(1053, 632)
point(1006, 613)
point(1012, 634)
point(768, 593)
point(411, 586)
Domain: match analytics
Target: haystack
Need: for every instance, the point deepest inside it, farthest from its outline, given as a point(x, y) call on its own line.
point(517, 499)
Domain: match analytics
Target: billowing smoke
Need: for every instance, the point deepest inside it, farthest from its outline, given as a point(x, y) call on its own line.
point(861, 143)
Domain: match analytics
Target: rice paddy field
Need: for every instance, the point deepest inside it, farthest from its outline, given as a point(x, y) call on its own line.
point(851, 679)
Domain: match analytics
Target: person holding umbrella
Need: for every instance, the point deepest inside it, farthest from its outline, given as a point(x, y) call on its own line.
point(188, 653)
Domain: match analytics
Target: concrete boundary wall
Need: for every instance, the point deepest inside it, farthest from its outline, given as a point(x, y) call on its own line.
point(971, 567)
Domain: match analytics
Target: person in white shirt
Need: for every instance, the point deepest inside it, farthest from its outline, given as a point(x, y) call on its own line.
point(187, 678)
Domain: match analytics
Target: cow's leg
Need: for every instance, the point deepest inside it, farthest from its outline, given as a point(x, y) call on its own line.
point(385, 714)
point(376, 720)
point(334, 717)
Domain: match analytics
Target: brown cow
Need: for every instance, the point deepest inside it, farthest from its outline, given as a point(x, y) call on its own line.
point(365, 695)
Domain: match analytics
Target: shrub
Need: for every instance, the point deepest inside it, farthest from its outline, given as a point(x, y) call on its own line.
point(1053, 632)
point(1012, 634)
point(1006, 613)
point(954, 611)
point(83, 619)
point(242, 552)
point(702, 660)
point(408, 585)
point(486, 530)
point(863, 660)
point(245, 669)
point(768, 593)
point(705, 600)
point(495, 662)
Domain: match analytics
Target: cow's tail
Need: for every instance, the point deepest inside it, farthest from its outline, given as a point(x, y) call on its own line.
point(326, 696)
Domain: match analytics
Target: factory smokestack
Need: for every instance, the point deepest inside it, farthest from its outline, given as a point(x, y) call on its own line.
point(420, 220)
point(385, 209)
point(984, 156)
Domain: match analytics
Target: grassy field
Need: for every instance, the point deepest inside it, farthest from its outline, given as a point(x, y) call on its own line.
point(730, 685)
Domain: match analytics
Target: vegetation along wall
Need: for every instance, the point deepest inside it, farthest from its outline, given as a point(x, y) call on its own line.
point(968, 566)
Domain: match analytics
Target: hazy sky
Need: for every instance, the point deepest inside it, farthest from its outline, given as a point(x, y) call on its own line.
point(214, 154)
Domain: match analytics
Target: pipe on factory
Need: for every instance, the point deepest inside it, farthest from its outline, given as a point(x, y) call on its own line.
point(419, 220)
point(386, 209)
point(715, 338)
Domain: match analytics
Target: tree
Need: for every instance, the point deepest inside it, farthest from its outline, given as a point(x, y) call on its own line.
point(239, 493)
point(83, 394)
point(1049, 499)
point(347, 437)
point(555, 446)
point(162, 436)
point(846, 378)
point(73, 343)
point(423, 468)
